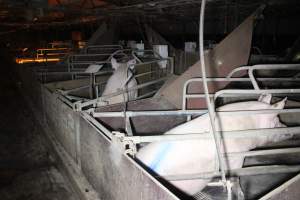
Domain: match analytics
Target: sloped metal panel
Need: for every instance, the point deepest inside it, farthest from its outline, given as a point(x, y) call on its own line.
point(232, 52)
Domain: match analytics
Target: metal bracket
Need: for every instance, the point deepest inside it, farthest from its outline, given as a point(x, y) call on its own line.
point(123, 143)
point(77, 106)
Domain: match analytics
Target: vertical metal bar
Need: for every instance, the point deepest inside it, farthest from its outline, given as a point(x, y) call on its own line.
point(91, 86)
point(128, 126)
point(95, 91)
point(252, 78)
point(78, 142)
point(184, 96)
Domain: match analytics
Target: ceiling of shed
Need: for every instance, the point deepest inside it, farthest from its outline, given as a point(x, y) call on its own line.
point(18, 15)
point(60, 12)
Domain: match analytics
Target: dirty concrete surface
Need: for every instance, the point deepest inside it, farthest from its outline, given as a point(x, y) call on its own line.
point(26, 170)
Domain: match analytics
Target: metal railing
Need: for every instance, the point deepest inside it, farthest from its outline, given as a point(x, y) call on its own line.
point(147, 73)
point(250, 79)
point(52, 52)
point(78, 63)
point(149, 79)
point(102, 48)
point(82, 61)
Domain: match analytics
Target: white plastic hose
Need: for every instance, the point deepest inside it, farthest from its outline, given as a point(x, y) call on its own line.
point(211, 110)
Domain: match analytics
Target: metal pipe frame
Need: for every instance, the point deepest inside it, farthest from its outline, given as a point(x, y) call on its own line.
point(228, 134)
point(228, 93)
point(256, 92)
point(93, 75)
point(71, 68)
point(79, 105)
point(265, 67)
point(232, 134)
point(251, 79)
point(71, 62)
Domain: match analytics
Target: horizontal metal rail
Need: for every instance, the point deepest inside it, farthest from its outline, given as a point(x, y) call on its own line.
point(75, 98)
point(263, 152)
point(102, 47)
point(146, 113)
point(64, 92)
point(231, 92)
point(144, 74)
point(265, 67)
point(148, 94)
point(89, 55)
point(191, 112)
point(98, 125)
point(152, 62)
point(279, 79)
point(249, 92)
point(89, 62)
point(247, 171)
point(74, 73)
point(65, 100)
point(255, 133)
point(136, 53)
point(196, 96)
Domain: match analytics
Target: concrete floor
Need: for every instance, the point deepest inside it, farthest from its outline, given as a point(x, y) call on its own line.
point(26, 171)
